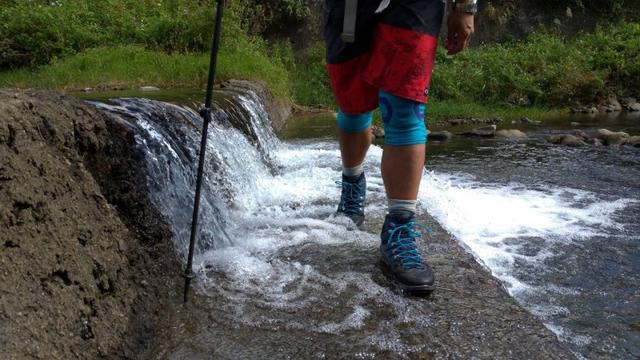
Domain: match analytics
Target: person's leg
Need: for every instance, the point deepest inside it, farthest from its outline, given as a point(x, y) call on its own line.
point(354, 137)
point(402, 167)
point(404, 150)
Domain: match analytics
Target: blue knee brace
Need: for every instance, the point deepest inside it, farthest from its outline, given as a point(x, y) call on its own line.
point(351, 123)
point(403, 120)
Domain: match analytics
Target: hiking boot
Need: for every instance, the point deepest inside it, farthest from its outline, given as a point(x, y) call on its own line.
point(352, 198)
point(401, 256)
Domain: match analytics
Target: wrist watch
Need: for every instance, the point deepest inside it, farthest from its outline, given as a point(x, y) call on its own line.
point(467, 6)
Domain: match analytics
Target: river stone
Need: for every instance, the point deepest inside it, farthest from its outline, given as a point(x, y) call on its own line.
point(634, 141)
point(611, 138)
point(440, 135)
point(485, 131)
point(633, 107)
point(567, 140)
point(513, 134)
point(149, 88)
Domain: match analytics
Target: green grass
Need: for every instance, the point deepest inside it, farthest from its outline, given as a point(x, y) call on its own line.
point(133, 66)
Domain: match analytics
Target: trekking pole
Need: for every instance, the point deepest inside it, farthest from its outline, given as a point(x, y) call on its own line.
point(205, 112)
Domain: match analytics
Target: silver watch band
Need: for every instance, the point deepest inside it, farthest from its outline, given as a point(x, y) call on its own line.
point(468, 6)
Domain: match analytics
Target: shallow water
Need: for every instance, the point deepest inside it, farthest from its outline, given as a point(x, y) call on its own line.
point(558, 226)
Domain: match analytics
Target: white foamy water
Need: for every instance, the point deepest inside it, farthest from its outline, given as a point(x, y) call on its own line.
point(485, 216)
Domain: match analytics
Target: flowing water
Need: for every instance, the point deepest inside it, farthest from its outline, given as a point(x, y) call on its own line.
point(558, 226)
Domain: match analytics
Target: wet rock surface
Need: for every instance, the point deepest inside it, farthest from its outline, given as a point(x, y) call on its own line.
point(279, 110)
point(469, 315)
point(87, 265)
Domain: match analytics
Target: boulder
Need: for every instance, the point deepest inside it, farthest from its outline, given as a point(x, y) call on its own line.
point(567, 140)
point(440, 135)
point(625, 102)
point(609, 137)
point(485, 131)
point(633, 107)
point(633, 141)
point(512, 134)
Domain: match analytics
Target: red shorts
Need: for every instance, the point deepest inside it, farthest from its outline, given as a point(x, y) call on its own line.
point(394, 51)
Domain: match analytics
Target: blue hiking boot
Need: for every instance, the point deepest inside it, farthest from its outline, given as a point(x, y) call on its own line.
point(354, 191)
point(401, 256)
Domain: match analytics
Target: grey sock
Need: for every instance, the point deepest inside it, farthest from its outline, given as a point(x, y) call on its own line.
point(351, 172)
point(402, 205)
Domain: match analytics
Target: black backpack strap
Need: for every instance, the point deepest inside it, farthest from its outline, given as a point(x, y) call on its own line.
point(350, 17)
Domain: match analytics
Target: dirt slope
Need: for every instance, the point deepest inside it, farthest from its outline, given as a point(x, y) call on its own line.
point(86, 269)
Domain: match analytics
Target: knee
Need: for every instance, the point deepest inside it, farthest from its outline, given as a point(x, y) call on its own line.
point(352, 123)
point(403, 120)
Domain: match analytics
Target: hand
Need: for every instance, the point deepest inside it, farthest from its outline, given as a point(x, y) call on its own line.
point(461, 27)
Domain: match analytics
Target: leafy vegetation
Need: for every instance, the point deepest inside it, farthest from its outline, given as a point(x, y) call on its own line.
point(544, 69)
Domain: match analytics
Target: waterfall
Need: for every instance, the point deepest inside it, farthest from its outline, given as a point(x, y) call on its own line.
point(239, 144)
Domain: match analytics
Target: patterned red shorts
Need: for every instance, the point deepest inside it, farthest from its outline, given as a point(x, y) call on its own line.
point(394, 51)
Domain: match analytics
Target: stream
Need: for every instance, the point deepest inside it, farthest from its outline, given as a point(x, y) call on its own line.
point(558, 227)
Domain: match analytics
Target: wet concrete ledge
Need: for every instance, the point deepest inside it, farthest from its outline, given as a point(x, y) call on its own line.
point(87, 265)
